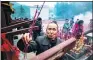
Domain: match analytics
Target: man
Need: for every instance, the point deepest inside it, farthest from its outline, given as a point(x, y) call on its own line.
point(42, 43)
point(37, 32)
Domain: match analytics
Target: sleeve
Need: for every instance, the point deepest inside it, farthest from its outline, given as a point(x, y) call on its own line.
point(32, 46)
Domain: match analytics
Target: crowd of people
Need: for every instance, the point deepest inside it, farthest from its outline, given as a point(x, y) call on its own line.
point(70, 28)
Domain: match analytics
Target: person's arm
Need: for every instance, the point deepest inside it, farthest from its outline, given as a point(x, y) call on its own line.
point(32, 46)
point(26, 44)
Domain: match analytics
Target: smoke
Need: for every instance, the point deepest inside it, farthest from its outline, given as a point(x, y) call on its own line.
point(85, 17)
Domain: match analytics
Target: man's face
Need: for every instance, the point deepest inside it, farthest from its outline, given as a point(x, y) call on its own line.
point(52, 30)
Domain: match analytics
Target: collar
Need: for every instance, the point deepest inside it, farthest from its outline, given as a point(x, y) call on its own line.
point(47, 42)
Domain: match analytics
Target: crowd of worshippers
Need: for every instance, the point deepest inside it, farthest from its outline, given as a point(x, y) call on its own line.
point(70, 28)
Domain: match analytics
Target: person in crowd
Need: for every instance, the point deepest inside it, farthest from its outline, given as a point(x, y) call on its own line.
point(37, 32)
point(42, 43)
point(71, 23)
point(66, 29)
point(78, 28)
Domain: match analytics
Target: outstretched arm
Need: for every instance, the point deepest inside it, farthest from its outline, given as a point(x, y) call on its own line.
point(26, 44)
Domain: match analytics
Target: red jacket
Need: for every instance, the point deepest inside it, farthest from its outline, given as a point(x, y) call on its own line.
point(76, 28)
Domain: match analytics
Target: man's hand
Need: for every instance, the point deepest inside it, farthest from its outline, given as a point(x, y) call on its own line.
point(26, 37)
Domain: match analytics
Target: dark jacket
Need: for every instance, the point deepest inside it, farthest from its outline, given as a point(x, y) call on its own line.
point(41, 44)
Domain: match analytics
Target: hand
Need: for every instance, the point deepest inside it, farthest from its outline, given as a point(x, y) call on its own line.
point(26, 37)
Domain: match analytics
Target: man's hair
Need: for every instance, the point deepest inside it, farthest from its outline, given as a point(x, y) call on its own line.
point(39, 19)
point(55, 22)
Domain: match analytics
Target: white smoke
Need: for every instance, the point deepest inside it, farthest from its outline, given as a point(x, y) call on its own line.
point(85, 17)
